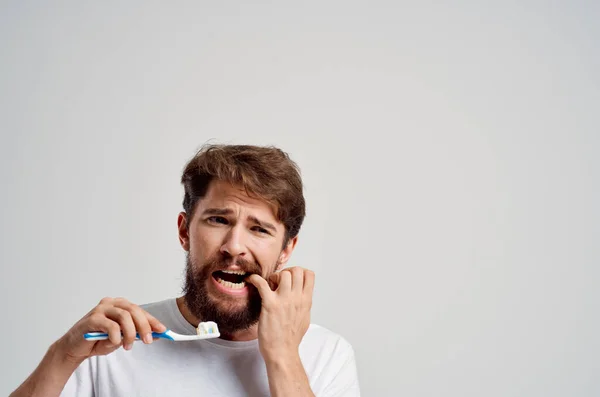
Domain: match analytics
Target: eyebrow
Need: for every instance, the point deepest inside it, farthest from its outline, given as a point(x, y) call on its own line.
point(217, 211)
point(228, 211)
point(263, 224)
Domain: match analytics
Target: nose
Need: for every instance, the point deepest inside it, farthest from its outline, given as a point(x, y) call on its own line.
point(234, 244)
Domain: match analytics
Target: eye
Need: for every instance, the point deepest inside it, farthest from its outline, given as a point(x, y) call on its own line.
point(260, 230)
point(217, 219)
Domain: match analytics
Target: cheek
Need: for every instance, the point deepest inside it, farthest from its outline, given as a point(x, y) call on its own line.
point(267, 254)
point(205, 244)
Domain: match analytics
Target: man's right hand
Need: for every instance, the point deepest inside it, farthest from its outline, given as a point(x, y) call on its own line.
point(117, 317)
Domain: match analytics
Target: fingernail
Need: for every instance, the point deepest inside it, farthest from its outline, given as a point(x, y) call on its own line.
point(148, 338)
point(129, 346)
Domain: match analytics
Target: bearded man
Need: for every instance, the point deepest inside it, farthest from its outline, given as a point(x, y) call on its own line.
point(243, 208)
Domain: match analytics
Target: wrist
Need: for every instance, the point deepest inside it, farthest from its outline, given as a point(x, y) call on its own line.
point(58, 357)
point(282, 358)
point(287, 376)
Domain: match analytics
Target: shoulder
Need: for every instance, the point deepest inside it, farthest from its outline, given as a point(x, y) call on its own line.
point(330, 362)
point(159, 308)
point(320, 332)
point(326, 340)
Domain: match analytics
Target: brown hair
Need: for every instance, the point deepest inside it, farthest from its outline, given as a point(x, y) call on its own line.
point(265, 172)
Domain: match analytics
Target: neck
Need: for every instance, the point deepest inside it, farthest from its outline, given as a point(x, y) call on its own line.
point(240, 336)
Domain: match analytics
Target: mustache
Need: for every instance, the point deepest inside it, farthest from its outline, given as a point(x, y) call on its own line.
point(220, 262)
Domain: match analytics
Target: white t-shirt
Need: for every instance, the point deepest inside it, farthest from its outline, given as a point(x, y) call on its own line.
point(211, 367)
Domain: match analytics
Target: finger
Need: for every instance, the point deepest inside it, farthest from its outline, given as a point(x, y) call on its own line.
point(285, 281)
point(112, 343)
point(297, 279)
point(100, 322)
point(104, 347)
point(309, 282)
point(274, 281)
point(140, 319)
point(155, 323)
point(106, 301)
point(261, 285)
point(123, 317)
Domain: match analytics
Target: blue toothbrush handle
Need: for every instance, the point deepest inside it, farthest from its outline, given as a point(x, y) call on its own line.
point(104, 335)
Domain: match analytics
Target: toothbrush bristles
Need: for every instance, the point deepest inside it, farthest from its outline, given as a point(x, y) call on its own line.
point(207, 327)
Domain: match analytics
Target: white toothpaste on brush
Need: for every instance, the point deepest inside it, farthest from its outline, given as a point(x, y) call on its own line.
point(207, 327)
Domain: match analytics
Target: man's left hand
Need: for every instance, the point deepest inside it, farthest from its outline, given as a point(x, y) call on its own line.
point(285, 313)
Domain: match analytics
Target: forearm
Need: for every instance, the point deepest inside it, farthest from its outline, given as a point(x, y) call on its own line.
point(287, 377)
point(49, 378)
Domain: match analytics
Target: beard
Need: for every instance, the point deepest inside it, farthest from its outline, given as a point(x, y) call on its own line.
point(231, 314)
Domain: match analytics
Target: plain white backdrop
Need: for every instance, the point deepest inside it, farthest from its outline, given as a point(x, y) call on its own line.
point(449, 152)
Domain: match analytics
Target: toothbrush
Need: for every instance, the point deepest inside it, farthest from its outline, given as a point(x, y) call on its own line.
point(205, 330)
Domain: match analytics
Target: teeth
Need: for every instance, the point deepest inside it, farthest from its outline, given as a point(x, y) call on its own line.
point(231, 285)
point(238, 272)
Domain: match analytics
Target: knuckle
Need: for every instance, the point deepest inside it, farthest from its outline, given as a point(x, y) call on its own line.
point(122, 302)
point(114, 327)
point(98, 310)
point(141, 312)
point(149, 317)
point(124, 315)
point(96, 317)
point(144, 324)
point(105, 300)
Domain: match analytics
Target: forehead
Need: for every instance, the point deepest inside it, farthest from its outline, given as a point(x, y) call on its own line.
point(221, 194)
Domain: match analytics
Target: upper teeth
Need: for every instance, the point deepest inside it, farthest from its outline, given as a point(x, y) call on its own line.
point(238, 272)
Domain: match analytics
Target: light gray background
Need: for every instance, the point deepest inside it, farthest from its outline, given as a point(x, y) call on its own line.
point(450, 155)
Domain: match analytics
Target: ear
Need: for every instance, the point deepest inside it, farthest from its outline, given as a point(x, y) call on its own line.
point(286, 253)
point(182, 226)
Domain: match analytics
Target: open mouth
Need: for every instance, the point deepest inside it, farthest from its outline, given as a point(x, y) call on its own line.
point(233, 279)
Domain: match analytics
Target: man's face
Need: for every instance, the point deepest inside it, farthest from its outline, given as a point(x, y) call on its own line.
point(229, 237)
